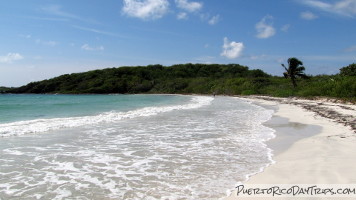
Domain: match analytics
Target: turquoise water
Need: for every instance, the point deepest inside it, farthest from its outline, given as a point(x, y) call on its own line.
point(28, 107)
point(129, 147)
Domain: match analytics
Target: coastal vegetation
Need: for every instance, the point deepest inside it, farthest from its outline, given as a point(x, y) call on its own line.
point(348, 70)
point(295, 69)
point(224, 79)
point(5, 89)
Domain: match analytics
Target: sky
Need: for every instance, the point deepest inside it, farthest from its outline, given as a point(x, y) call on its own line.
point(42, 39)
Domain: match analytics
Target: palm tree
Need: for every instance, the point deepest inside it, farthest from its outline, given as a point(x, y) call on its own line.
point(295, 69)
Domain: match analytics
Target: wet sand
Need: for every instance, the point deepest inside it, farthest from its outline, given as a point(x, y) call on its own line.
point(314, 144)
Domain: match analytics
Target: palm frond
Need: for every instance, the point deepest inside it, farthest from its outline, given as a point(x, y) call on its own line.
point(300, 68)
point(302, 75)
point(284, 67)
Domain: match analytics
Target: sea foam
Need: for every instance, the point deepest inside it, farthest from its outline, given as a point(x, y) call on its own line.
point(43, 125)
point(176, 153)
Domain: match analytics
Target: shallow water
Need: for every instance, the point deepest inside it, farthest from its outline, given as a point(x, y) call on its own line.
point(182, 147)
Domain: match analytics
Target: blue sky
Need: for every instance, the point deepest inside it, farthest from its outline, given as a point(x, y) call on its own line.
point(41, 39)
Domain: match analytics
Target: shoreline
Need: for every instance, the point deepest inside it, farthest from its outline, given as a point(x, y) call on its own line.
point(314, 142)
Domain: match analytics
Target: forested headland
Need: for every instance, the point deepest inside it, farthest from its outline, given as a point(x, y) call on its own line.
point(223, 79)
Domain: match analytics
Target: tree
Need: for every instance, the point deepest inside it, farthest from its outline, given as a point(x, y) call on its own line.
point(349, 70)
point(295, 69)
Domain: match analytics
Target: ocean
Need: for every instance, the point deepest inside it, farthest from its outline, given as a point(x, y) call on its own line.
point(129, 147)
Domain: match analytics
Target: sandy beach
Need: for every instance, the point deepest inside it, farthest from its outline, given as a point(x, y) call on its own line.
point(314, 144)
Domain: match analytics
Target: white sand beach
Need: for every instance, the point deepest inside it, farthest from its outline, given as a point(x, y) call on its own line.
point(315, 143)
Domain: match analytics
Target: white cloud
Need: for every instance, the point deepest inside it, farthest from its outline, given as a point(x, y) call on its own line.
point(89, 48)
point(340, 7)
point(47, 43)
point(145, 9)
point(232, 50)
point(214, 20)
point(189, 6)
point(10, 57)
point(307, 15)
point(182, 15)
point(265, 28)
point(285, 28)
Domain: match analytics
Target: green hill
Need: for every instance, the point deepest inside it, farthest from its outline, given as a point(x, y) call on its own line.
point(229, 79)
point(153, 78)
